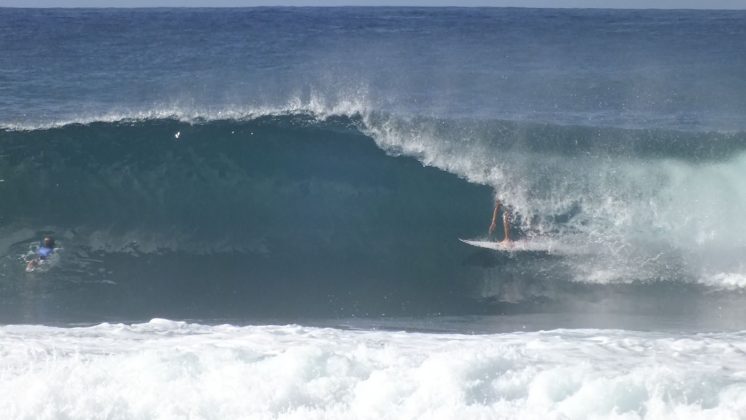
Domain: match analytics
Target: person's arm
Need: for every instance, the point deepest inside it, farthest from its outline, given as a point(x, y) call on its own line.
point(493, 225)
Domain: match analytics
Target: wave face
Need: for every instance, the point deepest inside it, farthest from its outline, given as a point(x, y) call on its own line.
point(275, 215)
point(295, 214)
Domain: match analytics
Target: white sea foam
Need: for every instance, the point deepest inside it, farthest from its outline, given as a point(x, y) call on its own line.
point(632, 218)
point(164, 370)
point(727, 281)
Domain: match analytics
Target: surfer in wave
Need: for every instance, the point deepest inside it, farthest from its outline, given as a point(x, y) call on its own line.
point(506, 221)
point(42, 253)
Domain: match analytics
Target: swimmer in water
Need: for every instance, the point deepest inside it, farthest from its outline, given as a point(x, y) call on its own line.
point(43, 253)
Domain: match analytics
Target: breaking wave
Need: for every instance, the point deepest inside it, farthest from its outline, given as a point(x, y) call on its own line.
point(338, 209)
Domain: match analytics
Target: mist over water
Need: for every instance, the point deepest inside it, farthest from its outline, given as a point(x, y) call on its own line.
point(674, 69)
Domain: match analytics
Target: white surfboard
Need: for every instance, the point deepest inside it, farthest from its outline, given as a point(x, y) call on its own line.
point(513, 246)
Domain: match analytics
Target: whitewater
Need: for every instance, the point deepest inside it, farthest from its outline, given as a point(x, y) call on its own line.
point(257, 213)
point(166, 369)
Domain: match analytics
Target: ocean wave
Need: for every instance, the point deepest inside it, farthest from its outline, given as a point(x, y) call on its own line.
point(165, 369)
point(296, 195)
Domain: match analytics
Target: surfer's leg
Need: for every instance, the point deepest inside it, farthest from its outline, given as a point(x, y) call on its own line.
point(493, 225)
point(506, 224)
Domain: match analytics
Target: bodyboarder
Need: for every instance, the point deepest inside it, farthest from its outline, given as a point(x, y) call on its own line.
point(42, 253)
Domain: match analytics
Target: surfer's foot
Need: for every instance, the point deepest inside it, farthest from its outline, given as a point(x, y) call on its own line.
point(506, 242)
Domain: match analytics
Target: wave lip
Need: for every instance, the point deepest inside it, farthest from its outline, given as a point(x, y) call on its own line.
point(315, 106)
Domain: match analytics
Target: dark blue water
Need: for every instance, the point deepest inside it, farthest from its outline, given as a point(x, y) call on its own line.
point(681, 69)
point(282, 163)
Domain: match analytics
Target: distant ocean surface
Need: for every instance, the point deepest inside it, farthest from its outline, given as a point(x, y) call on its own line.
point(258, 211)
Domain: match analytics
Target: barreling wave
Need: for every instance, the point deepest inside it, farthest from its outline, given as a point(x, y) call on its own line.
point(308, 209)
point(641, 204)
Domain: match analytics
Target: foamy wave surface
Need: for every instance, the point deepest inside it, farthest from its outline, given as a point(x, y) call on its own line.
point(164, 369)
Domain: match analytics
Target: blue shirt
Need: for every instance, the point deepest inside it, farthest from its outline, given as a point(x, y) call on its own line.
point(44, 252)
